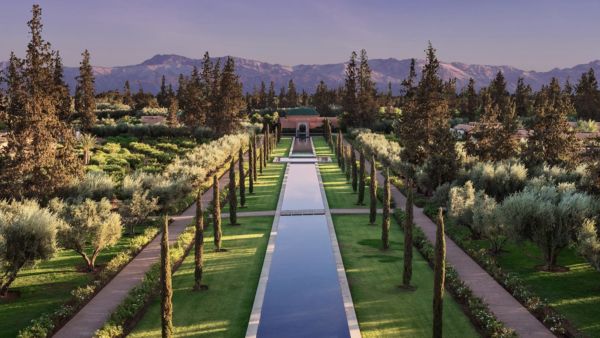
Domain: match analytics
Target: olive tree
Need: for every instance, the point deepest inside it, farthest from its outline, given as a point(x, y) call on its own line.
point(90, 228)
point(27, 234)
point(138, 209)
point(550, 216)
point(589, 243)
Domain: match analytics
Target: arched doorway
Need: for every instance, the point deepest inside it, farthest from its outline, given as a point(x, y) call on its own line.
point(302, 130)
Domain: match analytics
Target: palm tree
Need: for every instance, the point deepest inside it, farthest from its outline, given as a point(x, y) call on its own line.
point(88, 142)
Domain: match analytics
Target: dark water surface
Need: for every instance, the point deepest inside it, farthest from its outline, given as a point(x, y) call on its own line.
point(303, 297)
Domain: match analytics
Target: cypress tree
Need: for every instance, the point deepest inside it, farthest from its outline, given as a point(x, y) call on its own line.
point(217, 214)
point(254, 158)
point(367, 101)
point(587, 96)
point(361, 178)
point(127, 98)
point(348, 158)
point(85, 101)
point(166, 305)
point(354, 168)
point(172, 113)
point(439, 272)
point(338, 150)
point(229, 102)
point(342, 154)
point(265, 151)
point(385, 221)
point(351, 115)
point(163, 96)
point(251, 166)
point(373, 193)
point(199, 244)
point(523, 104)
point(242, 183)
point(408, 239)
point(553, 141)
point(261, 160)
point(469, 101)
point(232, 194)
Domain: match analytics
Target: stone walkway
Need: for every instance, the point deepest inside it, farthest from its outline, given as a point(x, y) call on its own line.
point(501, 303)
point(94, 314)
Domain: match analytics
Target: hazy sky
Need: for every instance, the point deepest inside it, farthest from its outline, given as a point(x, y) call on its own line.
point(529, 34)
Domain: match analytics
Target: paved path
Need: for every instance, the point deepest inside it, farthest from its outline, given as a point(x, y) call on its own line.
point(500, 302)
point(93, 315)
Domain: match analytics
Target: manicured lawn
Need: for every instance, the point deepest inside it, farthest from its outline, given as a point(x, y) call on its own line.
point(232, 277)
point(383, 310)
point(575, 294)
point(46, 286)
point(268, 186)
point(338, 190)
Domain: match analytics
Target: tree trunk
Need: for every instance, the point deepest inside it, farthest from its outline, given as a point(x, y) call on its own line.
point(385, 223)
point(12, 276)
point(261, 160)
point(242, 183)
point(217, 214)
point(439, 272)
point(266, 147)
point(86, 156)
point(88, 262)
point(361, 180)
point(408, 238)
point(232, 195)
point(166, 305)
point(254, 157)
point(354, 169)
point(373, 193)
point(250, 168)
point(348, 158)
point(199, 244)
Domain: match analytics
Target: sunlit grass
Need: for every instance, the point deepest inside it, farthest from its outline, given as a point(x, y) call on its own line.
point(383, 310)
point(575, 294)
point(47, 286)
point(232, 277)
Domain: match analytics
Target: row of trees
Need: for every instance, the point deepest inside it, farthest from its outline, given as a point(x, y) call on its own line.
point(256, 153)
point(211, 97)
point(379, 150)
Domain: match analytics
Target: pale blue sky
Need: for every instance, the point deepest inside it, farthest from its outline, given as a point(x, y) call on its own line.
point(529, 34)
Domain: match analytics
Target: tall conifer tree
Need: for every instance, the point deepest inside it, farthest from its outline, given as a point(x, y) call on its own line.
point(39, 159)
point(85, 101)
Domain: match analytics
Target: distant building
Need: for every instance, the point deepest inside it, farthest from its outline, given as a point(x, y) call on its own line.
point(302, 119)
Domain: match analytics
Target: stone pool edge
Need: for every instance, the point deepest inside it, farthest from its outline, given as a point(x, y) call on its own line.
point(259, 297)
point(341, 271)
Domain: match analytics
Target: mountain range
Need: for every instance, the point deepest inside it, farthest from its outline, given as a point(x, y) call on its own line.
point(148, 73)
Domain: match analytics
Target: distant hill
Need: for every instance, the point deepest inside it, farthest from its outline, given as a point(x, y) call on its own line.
point(251, 72)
